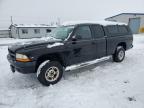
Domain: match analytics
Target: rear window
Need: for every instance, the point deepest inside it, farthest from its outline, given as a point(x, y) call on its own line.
point(97, 31)
point(117, 30)
point(113, 29)
point(123, 29)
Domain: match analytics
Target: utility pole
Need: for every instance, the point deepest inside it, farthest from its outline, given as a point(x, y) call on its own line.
point(11, 20)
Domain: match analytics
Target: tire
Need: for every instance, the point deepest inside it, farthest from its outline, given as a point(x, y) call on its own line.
point(119, 54)
point(49, 72)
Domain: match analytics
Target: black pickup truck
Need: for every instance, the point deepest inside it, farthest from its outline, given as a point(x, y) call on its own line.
point(70, 44)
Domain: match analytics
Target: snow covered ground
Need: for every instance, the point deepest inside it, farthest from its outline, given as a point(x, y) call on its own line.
point(97, 84)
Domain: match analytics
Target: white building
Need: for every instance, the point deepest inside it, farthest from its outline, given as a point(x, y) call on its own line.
point(134, 20)
point(25, 31)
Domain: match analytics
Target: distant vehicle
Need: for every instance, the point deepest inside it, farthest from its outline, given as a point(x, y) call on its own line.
point(71, 43)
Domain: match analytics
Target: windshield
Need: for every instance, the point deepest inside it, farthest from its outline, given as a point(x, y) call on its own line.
point(61, 32)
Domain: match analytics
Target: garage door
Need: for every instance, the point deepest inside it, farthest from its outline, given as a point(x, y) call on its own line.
point(134, 24)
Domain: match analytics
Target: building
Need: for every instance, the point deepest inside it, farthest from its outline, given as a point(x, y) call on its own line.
point(134, 20)
point(4, 33)
point(25, 31)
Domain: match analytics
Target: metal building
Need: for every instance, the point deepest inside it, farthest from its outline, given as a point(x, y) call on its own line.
point(134, 20)
point(25, 31)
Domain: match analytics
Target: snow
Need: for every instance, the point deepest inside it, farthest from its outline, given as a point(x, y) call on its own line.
point(96, 84)
point(104, 23)
point(54, 45)
point(49, 38)
point(10, 41)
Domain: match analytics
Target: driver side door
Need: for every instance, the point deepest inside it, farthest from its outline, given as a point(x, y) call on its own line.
point(82, 47)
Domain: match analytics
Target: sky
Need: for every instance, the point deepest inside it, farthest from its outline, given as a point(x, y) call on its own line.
point(47, 11)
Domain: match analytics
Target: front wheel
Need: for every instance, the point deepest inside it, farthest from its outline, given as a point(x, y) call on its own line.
point(119, 54)
point(49, 72)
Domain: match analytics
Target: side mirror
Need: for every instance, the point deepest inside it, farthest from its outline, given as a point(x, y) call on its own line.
point(74, 38)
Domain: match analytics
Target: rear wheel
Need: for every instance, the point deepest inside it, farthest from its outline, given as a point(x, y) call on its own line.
point(49, 72)
point(119, 54)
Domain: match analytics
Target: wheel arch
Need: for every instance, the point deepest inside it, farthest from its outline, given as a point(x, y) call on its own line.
point(123, 44)
point(52, 57)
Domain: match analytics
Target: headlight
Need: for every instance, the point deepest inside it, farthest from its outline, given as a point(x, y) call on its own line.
point(22, 58)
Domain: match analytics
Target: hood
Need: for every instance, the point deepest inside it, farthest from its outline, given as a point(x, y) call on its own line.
point(32, 43)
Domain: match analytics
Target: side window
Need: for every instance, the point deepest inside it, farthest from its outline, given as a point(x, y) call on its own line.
point(97, 31)
point(113, 29)
point(24, 31)
point(37, 31)
point(48, 30)
point(123, 30)
point(83, 33)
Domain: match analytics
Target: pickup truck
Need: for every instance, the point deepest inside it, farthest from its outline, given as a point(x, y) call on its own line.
point(69, 44)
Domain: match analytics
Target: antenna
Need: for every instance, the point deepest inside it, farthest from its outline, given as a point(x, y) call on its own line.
point(11, 20)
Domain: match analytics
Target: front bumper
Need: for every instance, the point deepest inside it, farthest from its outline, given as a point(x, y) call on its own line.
point(22, 67)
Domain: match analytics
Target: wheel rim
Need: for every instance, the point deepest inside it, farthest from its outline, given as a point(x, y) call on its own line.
point(52, 74)
point(121, 55)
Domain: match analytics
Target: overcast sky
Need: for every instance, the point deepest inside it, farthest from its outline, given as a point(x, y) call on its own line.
point(46, 11)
